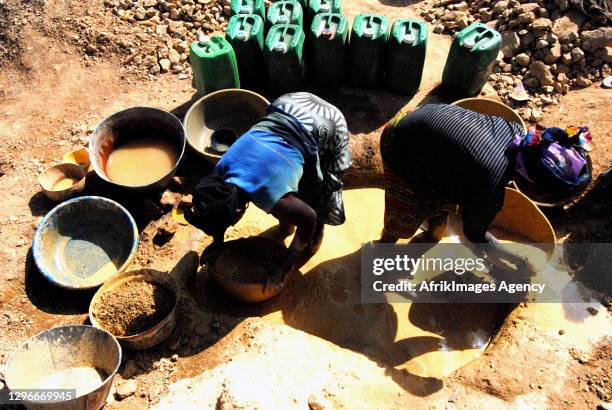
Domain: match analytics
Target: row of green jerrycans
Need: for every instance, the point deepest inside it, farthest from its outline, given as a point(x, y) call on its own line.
point(299, 12)
point(373, 57)
point(329, 55)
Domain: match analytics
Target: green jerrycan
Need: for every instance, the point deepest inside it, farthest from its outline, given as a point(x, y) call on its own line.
point(406, 50)
point(284, 57)
point(285, 12)
point(245, 32)
point(248, 7)
point(321, 6)
point(470, 59)
point(213, 63)
point(367, 50)
point(327, 45)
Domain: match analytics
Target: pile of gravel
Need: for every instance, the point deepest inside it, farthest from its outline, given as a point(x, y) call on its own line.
point(546, 46)
point(161, 31)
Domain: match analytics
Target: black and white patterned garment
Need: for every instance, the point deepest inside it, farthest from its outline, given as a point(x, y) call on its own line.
point(320, 117)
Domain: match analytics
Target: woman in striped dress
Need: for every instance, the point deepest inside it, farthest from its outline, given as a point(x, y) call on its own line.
point(289, 164)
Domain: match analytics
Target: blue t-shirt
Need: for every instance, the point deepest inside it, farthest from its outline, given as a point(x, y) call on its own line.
point(264, 165)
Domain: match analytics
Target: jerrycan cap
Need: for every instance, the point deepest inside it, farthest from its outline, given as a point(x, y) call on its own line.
point(409, 38)
point(241, 35)
point(368, 32)
point(279, 46)
point(326, 33)
point(469, 43)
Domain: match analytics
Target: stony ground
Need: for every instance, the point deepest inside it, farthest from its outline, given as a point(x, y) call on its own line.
point(65, 65)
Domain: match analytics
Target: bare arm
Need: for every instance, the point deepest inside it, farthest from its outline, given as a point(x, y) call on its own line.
point(291, 210)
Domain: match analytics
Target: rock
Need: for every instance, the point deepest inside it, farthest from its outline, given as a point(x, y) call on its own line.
point(175, 14)
point(161, 29)
point(561, 332)
point(91, 49)
point(462, 22)
point(541, 71)
point(553, 54)
point(527, 39)
point(542, 24)
point(438, 28)
point(164, 64)
point(604, 406)
point(577, 54)
point(318, 402)
point(540, 44)
point(526, 18)
point(174, 56)
point(568, 24)
point(510, 43)
point(593, 311)
point(522, 60)
point(582, 81)
point(500, 6)
point(595, 39)
point(605, 54)
point(566, 58)
point(129, 369)
point(536, 115)
point(140, 14)
point(531, 82)
point(126, 389)
point(527, 8)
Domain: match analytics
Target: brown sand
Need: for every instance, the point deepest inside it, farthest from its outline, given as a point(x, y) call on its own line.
point(133, 307)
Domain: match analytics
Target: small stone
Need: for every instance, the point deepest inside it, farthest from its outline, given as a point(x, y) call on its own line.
point(500, 7)
point(510, 43)
point(595, 39)
point(91, 49)
point(161, 29)
point(175, 14)
point(542, 24)
point(164, 65)
point(174, 357)
point(561, 332)
point(593, 311)
point(522, 60)
point(566, 26)
point(541, 71)
point(526, 18)
point(174, 56)
point(540, 44)
point(577, 54)
point(536, 115)
point(567, 58)
point(438, 28)
point(126, 389)
point(531, 82)
point(582, 81)
point(553, 54)
point(318, 402)
point(527, 39)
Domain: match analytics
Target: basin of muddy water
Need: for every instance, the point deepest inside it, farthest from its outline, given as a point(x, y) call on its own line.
point(137, 149)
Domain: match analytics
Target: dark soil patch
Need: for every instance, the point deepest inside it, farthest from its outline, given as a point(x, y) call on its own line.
point(133, 307)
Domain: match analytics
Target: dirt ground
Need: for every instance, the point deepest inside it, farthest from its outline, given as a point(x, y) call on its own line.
point(51, 98)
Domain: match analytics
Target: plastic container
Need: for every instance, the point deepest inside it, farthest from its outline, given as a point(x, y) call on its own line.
point(327, 45)
point(213, 63)
point(284, 57)
point(406, 51)
point(322, 6)
point(285, 12)
point(367, 50)
point(248, 7)
point(470, 59)
point(245, 32)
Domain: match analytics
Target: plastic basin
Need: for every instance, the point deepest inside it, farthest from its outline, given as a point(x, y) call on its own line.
point(83, 242)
